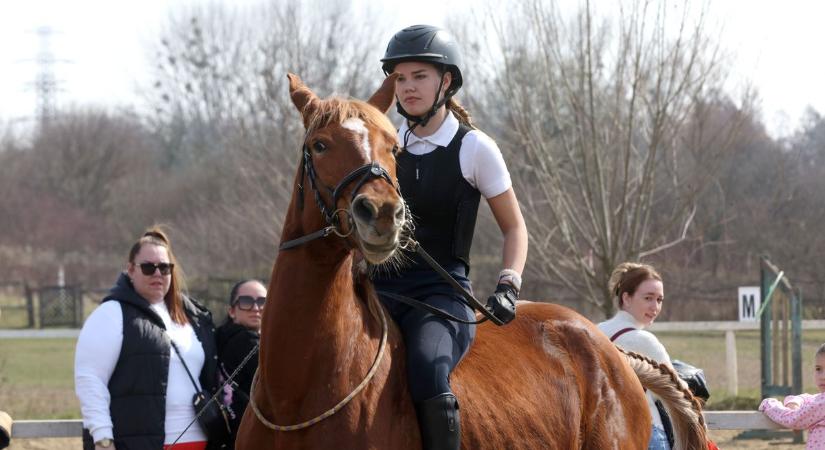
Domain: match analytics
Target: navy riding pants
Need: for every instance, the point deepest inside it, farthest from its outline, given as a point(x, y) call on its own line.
point(434, 345)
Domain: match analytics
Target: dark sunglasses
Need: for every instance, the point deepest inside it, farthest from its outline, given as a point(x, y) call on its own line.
point(246, 302)
point(149, 268)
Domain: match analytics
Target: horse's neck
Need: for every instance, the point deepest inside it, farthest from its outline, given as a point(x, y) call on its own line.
point(310, 282)
point(315, 323)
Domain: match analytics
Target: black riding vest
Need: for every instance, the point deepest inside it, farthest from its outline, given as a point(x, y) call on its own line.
point(138, 384)
point(443, 204)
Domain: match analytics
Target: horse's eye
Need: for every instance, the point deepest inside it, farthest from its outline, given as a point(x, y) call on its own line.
point(319, 146)
point(395, 150)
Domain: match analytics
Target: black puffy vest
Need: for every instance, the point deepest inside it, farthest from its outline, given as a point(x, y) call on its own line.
point(138, 384)
point(443, 204)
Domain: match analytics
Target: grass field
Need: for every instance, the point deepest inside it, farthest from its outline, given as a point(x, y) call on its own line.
point(36, 380)
point(707, 350)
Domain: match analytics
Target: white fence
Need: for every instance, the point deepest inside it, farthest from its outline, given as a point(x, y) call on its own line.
point(729, 328)
point(716, 420)
point(721, 325)
point(35, 429)
point(49, 333)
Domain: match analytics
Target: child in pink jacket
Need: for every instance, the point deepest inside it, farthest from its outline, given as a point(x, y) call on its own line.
point(804, 411)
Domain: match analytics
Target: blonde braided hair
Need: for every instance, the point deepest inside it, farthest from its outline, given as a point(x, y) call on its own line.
point(684, 409)
point(461, 114)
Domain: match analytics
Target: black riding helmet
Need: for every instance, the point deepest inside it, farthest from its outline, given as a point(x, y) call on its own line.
point(425, 43)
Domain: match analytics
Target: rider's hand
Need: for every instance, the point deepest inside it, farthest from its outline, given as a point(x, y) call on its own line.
point(503, 302)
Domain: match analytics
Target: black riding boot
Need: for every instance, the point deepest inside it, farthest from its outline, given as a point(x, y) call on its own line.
point(438, 422)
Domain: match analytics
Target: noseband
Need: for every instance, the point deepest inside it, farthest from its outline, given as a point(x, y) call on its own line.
point(362, 174)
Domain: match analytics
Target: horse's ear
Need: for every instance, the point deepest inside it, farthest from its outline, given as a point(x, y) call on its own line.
point(304, 99)
point(385, 95)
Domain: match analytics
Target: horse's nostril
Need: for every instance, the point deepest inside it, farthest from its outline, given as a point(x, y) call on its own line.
point(363, 209)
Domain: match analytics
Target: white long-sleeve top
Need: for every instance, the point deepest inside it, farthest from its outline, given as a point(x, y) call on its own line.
point(482, 164)
point(639, 341)
point(97, 352)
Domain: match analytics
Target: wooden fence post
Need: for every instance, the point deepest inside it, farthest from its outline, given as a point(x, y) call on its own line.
point(730, 362)
point(29, 304)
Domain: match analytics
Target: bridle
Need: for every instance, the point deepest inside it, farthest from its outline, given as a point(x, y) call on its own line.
point(362, 174)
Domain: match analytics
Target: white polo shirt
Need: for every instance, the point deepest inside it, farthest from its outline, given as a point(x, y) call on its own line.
point(482, 164)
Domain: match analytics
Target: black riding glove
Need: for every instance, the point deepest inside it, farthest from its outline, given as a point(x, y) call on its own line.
point(503, 303)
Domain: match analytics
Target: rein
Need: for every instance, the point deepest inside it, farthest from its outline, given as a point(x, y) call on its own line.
point(468, 300)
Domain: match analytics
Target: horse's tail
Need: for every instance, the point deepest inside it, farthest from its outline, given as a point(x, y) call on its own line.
point(685, 411)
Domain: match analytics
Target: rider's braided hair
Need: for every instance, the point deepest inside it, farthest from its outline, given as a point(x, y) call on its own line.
point(461, 114)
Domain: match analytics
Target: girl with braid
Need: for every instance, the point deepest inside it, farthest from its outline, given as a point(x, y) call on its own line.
point(639, 292)
point(444, 168)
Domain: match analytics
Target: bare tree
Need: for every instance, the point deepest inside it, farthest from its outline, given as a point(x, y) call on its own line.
point(222, 112)
point(65, 189)
point(81, 157)
point(606, 120)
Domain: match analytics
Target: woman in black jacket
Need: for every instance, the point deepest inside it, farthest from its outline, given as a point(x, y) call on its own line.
point(236, 338)
point(133, 388)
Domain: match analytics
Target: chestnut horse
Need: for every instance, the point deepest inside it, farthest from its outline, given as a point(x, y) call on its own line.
point(332, 368)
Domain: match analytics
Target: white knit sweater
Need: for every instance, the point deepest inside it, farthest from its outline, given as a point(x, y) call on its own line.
point(639, 341)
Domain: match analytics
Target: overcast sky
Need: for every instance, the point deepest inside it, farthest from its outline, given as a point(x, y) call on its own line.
point(103, 45)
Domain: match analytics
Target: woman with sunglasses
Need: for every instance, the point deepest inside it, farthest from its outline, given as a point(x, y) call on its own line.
point(236, 338)
point(133, 387)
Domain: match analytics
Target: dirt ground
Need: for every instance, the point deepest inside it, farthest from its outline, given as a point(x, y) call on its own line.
point(724, 439)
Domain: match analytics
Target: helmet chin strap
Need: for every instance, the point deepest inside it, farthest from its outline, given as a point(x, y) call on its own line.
point(424, 119)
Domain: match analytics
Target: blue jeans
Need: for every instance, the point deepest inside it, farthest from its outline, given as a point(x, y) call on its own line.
point(658, 440)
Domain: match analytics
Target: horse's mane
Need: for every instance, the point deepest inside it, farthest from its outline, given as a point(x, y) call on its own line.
point(338, 109)
point(684, 409)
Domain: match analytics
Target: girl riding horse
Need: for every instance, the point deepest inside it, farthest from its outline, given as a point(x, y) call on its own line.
point(332, 367)
point(445, 166)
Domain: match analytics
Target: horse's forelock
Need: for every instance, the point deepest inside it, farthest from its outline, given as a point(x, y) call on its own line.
point(338, 109)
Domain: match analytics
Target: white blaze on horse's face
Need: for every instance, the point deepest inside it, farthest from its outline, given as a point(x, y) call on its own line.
point(357, 126)
point(378, 223)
